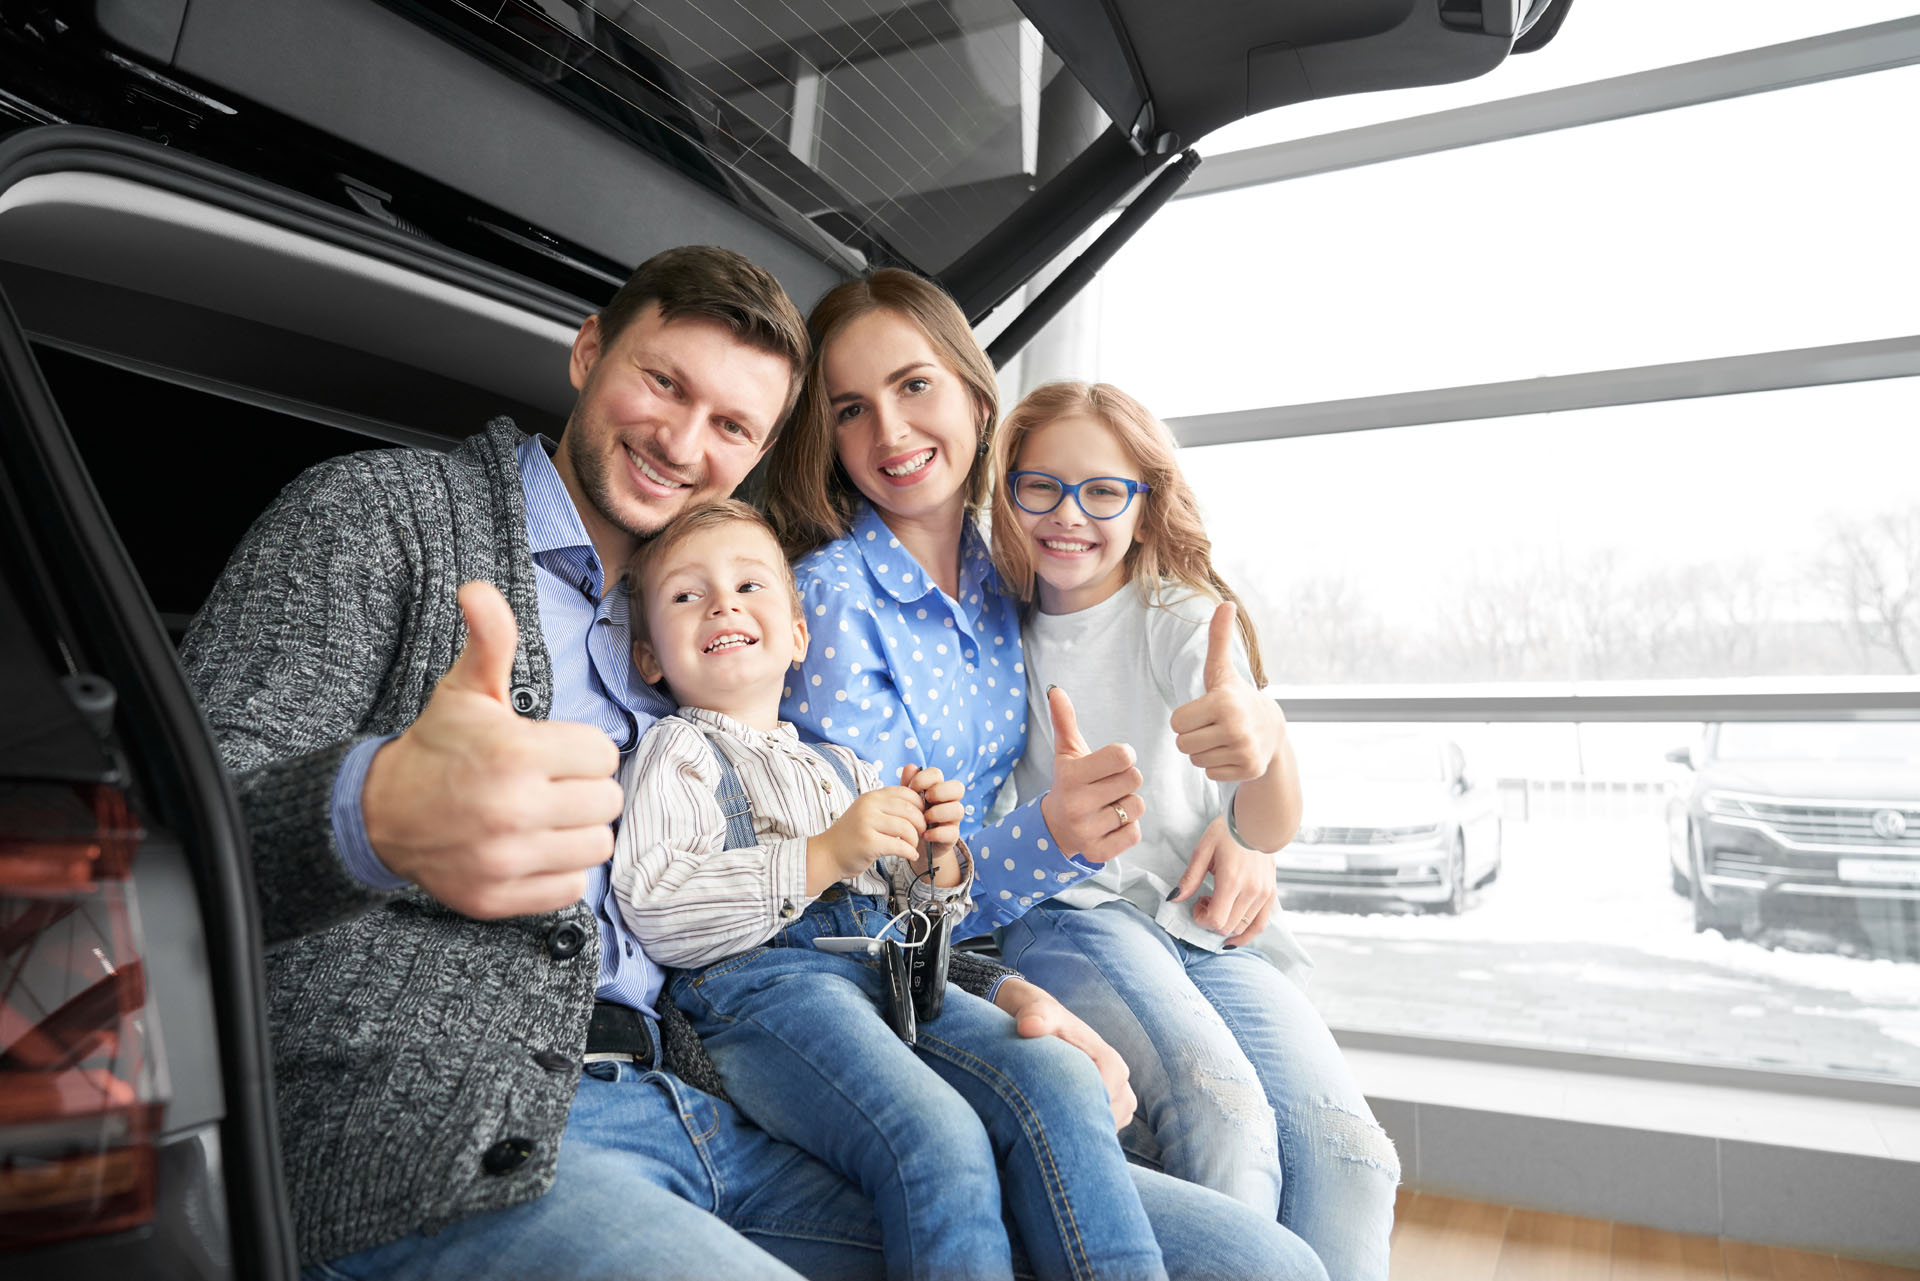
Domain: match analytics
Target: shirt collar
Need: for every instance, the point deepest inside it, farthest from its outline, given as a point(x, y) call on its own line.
point(783, 732)
point(899, 574)
point(553, 522)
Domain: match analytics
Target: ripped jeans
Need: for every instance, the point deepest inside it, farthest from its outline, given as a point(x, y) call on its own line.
point(1241, 1086)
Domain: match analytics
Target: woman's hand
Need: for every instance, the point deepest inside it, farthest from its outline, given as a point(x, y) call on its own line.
point(1243, 890)
point(1231, 731)
point(1093, 807)
point(1036, 1013)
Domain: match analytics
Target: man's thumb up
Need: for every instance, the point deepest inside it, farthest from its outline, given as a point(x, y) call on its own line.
point(1066, 727)
point(485, 666)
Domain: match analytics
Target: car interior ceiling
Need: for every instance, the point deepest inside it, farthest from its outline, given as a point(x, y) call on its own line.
point(166, 399)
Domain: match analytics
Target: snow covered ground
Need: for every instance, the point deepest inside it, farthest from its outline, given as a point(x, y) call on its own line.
point(1582, 942)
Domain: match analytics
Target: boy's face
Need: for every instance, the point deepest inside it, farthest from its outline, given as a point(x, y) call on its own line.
point(720, 619)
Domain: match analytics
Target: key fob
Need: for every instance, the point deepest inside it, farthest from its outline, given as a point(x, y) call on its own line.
point(893, 960)
point(927, 963)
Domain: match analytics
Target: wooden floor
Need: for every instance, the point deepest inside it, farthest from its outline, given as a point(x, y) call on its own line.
point(1438, 1239)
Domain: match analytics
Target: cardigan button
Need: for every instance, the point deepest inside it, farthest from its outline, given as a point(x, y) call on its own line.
point(506, 1156)
point(554, 1060)
point(522, 698)
point(565, 941)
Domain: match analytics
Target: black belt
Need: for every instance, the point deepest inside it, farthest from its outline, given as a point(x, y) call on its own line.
point(619, 1029)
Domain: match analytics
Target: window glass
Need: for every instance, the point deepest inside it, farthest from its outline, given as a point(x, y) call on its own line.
point(1775, 534)
point(1596, 42)
point(1762, 223)
point(1582, 930)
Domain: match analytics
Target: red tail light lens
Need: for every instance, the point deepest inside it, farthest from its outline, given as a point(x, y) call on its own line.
point(81, 1082)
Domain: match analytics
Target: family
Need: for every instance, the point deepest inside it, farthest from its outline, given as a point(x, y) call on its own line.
point(608, 830)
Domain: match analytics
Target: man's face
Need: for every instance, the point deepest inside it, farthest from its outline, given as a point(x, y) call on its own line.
point(670, 412)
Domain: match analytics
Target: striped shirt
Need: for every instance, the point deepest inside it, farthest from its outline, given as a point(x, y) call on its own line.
point(688, 900)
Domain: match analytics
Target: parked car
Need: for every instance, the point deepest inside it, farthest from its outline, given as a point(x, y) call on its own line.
point(241, 236)
point(1780, 813)
point(1389, 814)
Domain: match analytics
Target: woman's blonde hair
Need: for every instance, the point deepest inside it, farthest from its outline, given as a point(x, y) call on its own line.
point(1169, 541)
point(808, 495)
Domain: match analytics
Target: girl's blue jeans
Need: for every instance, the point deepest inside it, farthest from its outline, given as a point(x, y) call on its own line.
point(1241, 1087)
point(935, 1134)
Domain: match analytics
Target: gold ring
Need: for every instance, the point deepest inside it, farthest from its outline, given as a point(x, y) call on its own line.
point(1121, 815)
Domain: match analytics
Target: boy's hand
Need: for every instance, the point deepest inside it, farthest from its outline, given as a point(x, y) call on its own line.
point(945, 801)
point(886, 821)
point(1232, 730)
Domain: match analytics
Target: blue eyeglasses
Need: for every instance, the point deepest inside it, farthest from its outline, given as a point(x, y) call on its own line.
point(1100, 497)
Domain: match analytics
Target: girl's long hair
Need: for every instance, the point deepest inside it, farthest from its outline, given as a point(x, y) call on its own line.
point(1170, 542)
point(808, 495)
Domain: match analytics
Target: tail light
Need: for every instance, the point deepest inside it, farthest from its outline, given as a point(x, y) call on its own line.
point(81, 1078)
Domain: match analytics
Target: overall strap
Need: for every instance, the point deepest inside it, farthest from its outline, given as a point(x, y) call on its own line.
point(839, 767)
point(732, 796)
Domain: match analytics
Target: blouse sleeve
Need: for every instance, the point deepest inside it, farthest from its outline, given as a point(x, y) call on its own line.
point(688, 901)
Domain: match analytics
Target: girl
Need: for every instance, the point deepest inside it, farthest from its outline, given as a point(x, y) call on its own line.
point(1240, 1085)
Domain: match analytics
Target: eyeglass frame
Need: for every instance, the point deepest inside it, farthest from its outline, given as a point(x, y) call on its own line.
point(1134, 489)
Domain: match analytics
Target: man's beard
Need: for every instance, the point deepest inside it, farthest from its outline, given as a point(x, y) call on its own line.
point(596, 483)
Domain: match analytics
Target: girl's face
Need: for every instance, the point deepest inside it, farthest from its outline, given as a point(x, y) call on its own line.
point(906, 426)
point(1078, 561)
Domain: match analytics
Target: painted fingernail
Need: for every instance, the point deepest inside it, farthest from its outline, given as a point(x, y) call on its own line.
point(1229, 947)
point(1172, 893)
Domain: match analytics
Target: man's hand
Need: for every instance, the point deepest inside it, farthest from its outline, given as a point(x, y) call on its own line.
point(1232, 730)
point(1036, 1013)
point(1243, 888)
point(491, 813)
point(945, 802)
point(1093, 808)
point(885, 821)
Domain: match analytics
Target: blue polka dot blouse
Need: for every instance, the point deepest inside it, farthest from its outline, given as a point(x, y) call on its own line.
point(902, 673)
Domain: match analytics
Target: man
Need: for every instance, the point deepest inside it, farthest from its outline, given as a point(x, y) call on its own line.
point(426, 769)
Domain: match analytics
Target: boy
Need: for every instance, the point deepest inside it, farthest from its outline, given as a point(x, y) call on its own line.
point(745, 887)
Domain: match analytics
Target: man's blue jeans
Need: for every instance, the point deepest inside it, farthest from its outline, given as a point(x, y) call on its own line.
point(1241, 1086)
point(658, 1181)
point(936, 1134)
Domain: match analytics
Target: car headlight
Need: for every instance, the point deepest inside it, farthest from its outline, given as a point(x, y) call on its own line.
point(1306, 836)
point(1724, 804)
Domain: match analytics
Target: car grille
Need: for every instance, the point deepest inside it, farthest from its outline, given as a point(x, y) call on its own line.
point(1358, 878)
point(1830, 824)
point(1373, 835)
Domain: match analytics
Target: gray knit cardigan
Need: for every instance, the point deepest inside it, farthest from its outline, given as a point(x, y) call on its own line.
point(408, 1040)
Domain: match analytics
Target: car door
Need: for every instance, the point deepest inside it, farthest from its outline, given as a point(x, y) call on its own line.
point(136, 1113)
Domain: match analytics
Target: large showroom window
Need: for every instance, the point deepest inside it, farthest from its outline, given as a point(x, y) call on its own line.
point(1570, 479)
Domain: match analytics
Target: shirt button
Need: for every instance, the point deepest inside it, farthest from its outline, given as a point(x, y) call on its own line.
point(554, 1060)
point(506, 1156)
point(565, 941)
point(786, 909)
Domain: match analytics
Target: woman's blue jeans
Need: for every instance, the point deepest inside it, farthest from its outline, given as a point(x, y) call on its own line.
point(935, 1134)
point(1241, 1086)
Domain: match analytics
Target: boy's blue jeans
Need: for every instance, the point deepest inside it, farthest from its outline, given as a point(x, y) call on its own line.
point(935, 1134)
point(1241, 1085)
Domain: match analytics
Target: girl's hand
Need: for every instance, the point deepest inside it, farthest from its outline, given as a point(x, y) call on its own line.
point(1232, 731)
point(1243, 890)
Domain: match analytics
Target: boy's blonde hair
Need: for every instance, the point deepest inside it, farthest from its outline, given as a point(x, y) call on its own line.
point(694, 519)
point(1170, 542)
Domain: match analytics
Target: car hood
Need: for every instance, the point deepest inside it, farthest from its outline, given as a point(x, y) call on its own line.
point(1372, 803)
point(1818, 780)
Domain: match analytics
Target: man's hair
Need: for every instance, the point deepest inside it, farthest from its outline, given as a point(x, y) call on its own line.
point(717, 284)
point(696, 519)
point(814, 500)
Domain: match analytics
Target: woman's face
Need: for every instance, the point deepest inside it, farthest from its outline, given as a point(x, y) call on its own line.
point(1079, 561)
point(906, 425)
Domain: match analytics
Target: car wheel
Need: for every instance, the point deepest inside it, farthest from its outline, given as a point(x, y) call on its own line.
point(1707, 915)
point(1456, 902)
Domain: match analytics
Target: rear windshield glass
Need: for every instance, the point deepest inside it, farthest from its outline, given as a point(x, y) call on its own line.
point(878, 132)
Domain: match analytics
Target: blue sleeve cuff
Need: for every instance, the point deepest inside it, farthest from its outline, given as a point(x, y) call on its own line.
point(993, 992)
point(350, 825)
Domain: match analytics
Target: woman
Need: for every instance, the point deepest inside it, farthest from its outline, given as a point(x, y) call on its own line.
point(916, 655)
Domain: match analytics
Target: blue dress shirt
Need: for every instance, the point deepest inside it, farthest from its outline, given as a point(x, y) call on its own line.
point(903, 673)
point(594, 681)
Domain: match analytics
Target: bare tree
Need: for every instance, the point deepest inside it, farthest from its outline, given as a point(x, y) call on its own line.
point(1319, 630)
point(1872, 570)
